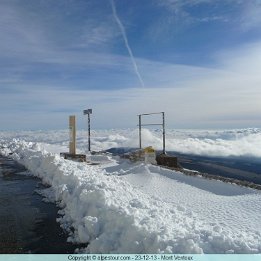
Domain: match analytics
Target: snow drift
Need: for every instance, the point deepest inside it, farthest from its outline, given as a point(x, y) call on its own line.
point(119, 207)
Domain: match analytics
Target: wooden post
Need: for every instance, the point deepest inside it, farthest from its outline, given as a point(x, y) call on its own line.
point(72, 129)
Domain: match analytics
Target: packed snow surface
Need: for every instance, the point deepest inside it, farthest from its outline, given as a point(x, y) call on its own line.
point(124, 207)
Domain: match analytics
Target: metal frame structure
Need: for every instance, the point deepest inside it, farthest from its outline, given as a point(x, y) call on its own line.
point(88, 112)
point(153, 124)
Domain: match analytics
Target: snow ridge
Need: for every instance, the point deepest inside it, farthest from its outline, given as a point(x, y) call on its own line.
point(103, 208)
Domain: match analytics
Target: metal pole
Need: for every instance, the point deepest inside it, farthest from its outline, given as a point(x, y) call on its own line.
point(89, 132)
point(140, 130)
point(163, 126)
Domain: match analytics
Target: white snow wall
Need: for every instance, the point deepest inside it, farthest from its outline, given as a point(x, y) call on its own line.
point(115, 217)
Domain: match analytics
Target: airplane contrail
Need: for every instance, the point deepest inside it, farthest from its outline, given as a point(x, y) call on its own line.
point(122, 29)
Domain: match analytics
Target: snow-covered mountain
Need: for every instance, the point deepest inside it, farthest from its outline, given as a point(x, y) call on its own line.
point(123, 207)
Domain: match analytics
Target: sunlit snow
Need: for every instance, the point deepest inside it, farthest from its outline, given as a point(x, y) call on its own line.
point(124, 207)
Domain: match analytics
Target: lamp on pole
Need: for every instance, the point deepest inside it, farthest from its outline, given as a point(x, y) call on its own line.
point(88, 112)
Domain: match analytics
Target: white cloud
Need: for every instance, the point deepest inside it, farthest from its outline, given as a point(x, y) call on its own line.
point(251, 17)
point(245, 60)
point(100, 34)
point(33, 46)
point(245, 14)
point(19, 37)
point(42, 37)
point(192, 97)
point(180, 9)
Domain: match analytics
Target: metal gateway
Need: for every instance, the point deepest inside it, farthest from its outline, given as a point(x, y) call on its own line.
point(153, 124)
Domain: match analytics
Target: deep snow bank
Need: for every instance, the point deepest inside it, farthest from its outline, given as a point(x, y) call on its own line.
point(116, 213)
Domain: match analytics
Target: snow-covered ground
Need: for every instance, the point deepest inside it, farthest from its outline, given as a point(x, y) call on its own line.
point(123, 207)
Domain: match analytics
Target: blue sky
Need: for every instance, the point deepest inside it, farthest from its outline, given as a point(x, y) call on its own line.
point(197, 60)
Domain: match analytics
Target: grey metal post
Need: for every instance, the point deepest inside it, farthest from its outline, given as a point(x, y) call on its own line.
point(89, 132)
point(140, 130)
point(163, 126)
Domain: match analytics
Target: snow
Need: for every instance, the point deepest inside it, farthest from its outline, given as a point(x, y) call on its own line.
point(124, 207)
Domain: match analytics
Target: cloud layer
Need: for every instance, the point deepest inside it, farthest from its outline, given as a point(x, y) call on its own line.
point(191, 97)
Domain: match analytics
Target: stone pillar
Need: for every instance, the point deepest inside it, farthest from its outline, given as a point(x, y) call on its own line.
point(72, 129)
